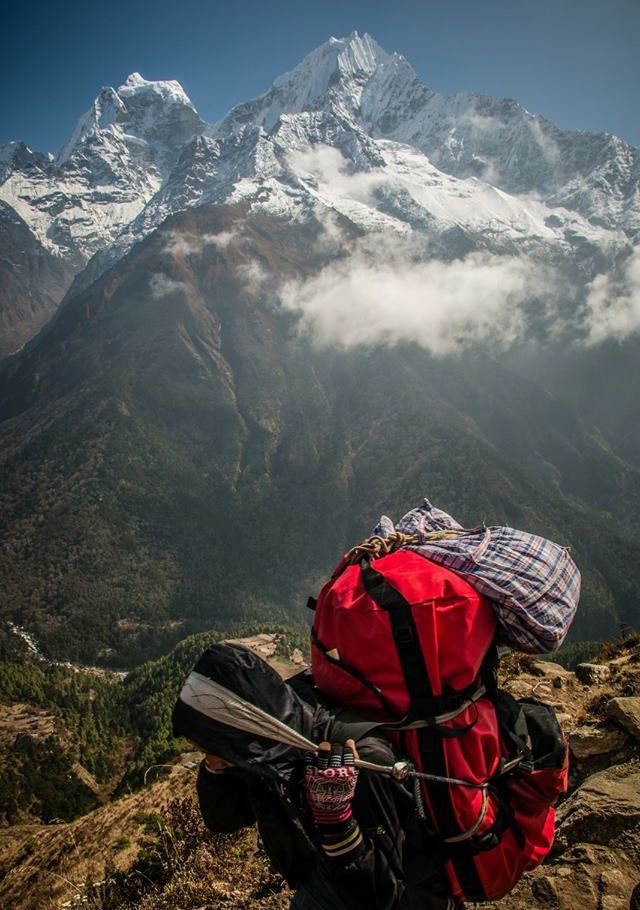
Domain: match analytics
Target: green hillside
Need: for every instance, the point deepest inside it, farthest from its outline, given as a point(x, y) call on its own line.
point(113, 728)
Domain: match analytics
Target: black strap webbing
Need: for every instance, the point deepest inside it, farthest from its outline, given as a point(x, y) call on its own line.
point(405, 635)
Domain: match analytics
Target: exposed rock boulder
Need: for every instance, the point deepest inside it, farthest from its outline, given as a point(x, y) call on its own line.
point(605, 808)
point(626, 713)
point(592, 674)
point(588, 741)
point(587, 877)
point(549, 669)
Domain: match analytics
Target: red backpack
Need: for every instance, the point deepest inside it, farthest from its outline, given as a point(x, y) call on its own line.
point(410, 644)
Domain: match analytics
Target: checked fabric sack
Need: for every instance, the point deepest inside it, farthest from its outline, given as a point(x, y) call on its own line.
point(533, 584)
point(410, 644)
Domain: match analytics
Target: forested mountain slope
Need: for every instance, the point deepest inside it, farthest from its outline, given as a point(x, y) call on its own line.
point(176, 454)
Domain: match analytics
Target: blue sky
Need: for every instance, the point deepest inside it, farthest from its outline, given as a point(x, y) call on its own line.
point(577, 62)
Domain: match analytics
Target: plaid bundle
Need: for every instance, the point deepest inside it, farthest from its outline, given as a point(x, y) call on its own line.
point(533, 583)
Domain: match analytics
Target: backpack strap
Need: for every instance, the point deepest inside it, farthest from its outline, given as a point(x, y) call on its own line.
point(424, 706)
point(421, 705)
point(348, 724)
point(405, 636)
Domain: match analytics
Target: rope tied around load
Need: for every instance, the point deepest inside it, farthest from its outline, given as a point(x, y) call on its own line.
point(376, 547)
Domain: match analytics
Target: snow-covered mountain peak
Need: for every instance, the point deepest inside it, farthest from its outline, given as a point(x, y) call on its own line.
point(331, 78)
point(168, 90)
point(133, 79)
point(141, 108)
point(351, 129)
point(355, 54)
point(352, 56)
point(16, 156)
point(105, 111)
point(117, 158)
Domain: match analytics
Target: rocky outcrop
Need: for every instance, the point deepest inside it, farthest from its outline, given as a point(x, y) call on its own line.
point(589, 741)
point(589, 674)
point(604, 809)
point(594, 865)
point(588, 877)
point(626, 712)
point(595, 862)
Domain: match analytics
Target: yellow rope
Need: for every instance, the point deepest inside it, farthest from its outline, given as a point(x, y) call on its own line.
point(376, 547)
point(446, 534)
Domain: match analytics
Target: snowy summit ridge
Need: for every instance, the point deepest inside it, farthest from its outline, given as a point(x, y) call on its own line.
point(140, 108)
point(331, 77)
point(351, 129)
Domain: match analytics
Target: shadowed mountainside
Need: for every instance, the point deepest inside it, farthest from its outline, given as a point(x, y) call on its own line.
point(32, 282)
point(175, 453)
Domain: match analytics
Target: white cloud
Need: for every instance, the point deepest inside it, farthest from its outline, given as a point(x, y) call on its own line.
point(479, 123)
point(548, 146)
point(253, 277)
point(612, 308)
point(161, 285)
point(332, 238)
point(330, 169)
point(183, 244)
point(222, 240)
point(381, 293)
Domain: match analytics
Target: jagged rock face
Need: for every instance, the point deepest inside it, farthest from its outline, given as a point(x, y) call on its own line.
point(15, 156)
point(116, 159)
point(158, 113)
point(595, 860)
point(32, 282)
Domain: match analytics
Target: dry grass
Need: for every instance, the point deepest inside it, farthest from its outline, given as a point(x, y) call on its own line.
point(513, 665)
point(182, 865)
point(620, 646)
point(151, 851)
